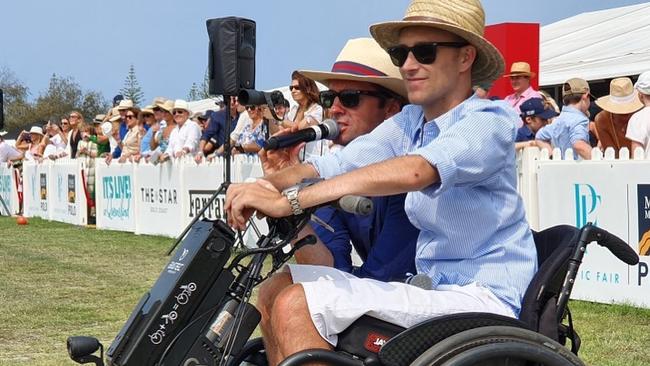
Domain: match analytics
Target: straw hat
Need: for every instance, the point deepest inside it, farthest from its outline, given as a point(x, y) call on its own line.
point(362, 59)
point(147, 109)
point(99, 118)
point(520, 69)
point(464, 18)
point(622, 98)
point(182, 105)
point(37, 130)
point(125, 104)
point(167, 105)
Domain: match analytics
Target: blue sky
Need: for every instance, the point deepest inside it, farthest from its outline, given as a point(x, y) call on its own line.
point(95, 41)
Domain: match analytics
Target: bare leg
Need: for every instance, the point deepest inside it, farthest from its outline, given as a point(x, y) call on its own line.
point(292, 324)
point(269, 290)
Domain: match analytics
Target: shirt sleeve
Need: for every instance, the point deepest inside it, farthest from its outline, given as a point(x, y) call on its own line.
point(315, 113)
point(193, 136)
point(636, 130)
point(579, 131)
point(544, 133)
point(462, 156)
point(337, 242)
point(381, 144)
point(212, 129)
point(241, 124)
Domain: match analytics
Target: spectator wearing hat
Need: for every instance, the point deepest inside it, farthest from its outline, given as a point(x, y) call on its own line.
point(282, 109)
point(185, 137)
point(122, 107)
point(102, 141)
point(638, 129)
point(255, 130)
point(8, 153)
point(618, 107)
point(520, 76)
point(30, 143)
point(147, 119)
point(160, 141)
point(215, 134)
point(535, 114)
point(571, 128)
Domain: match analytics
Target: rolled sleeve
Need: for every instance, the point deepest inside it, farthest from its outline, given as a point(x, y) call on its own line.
point(579, 131)
point(328, 165)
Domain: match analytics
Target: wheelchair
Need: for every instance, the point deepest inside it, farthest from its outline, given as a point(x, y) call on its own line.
point(538, 337)
point(198, 313)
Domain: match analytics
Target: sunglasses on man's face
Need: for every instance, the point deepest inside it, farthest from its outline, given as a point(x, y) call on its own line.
point(251, 107)
point(179, 112)
point(348, 98)
point(424, 53)
point(130, 116)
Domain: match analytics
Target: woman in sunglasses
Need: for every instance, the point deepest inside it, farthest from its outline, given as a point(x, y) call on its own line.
point(132, 139)
point(307, 112)
point(254, 133)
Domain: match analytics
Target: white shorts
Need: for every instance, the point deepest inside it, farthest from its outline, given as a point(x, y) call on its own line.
point(336, 299)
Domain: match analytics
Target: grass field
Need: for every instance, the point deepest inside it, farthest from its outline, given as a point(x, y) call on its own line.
point(58, 280)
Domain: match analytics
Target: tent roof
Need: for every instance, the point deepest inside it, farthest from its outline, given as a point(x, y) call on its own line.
point(596, 45)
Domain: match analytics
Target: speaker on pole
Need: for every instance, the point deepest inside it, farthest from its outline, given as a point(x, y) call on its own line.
point(231, 64)
point(2, 110)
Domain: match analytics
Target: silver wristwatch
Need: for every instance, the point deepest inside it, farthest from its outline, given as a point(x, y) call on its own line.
point(292, 196)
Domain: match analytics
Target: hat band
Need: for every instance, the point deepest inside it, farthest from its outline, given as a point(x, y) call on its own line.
point(623, 100)
point(355, 68)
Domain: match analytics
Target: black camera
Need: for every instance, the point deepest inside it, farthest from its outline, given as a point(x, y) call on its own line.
point(256, 97)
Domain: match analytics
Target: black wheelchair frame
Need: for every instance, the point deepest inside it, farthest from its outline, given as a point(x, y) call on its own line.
point(539, 335)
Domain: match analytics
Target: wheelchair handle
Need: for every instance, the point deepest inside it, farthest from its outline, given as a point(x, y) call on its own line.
point(610, 241)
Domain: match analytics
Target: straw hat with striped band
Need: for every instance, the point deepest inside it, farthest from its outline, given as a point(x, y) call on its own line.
point(361, 59)
point(622, 98)
point(464, 18)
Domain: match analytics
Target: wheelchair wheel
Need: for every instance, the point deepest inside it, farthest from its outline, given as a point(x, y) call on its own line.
point(498, 345)
point(252, 354)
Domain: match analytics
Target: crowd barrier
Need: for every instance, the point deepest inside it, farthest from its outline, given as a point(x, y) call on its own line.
point(9, 183)
point(163, 199)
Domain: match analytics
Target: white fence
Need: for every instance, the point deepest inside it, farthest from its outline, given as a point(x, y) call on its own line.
point(163, 199)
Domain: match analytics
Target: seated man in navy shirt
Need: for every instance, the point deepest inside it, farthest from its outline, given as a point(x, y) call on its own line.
point(215, 135)
point(365, 89)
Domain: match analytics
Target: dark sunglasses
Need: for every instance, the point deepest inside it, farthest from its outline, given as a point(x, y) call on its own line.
point(145, 115)
point(156, 109)
point(348, 98)
point(424, 53)
point(179, 111)
point(130, 116)
point(294, 87)
point(251, 107)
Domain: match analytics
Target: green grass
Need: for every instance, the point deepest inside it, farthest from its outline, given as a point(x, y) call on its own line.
point(58, 280)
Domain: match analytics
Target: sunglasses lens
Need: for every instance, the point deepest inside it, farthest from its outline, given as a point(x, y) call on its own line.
point(349, 98)
point(425, 53)
point(327, 98)
point(398, 55)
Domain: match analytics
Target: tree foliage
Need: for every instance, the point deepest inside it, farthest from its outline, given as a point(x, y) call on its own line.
point(62, 95)
point(132, 89)
point(194, 94)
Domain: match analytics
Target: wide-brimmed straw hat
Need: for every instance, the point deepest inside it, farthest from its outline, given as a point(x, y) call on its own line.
point(362, 59)
point(37, 130)
point(167, 105)
point(125, 104)
point(464, 18)
point(622, 98)
point(182, 105)
point(520, 69)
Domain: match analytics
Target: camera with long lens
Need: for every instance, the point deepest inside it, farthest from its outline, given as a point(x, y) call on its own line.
point(256, 97)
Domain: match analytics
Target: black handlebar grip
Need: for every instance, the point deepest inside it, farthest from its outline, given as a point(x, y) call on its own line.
point(615, 245)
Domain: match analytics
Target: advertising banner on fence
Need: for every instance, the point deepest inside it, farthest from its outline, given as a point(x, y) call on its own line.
point(115, 196)
point(159, 199)
point(35, 186)
point(8, 192)
point(200, 183)
point(610, 195)
point(66, 192)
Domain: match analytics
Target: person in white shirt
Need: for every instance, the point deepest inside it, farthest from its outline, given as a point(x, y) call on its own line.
point(638, 128)
point(184, 139)
point(7, 152)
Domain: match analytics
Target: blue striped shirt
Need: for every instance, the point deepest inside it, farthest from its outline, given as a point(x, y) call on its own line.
point(472, 222)
point(568, 128)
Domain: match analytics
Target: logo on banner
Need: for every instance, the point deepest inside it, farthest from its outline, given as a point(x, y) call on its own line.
point(72, 198)
point(117, 196)
point(5, 190)
point(199, 198)
point(643, 207)
point(43, 185)
point(587, 202)
point(159, 198)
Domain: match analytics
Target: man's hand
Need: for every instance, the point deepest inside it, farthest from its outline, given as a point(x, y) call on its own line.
point(198, 158)
point(242, 200)
point(275, 160)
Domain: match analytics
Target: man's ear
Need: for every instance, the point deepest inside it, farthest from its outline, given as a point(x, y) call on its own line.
point(467, 57)
point(392, 108)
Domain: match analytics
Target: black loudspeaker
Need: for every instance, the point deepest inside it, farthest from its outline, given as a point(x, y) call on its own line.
point(231, 64)
point(2, 110)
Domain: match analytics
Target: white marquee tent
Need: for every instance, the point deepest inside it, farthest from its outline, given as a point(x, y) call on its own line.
point(596, 45)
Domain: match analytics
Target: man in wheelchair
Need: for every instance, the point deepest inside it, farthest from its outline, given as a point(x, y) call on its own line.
point(452, 152)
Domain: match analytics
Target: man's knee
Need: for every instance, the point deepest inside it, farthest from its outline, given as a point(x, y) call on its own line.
point(290, 304)
point(270, 289)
